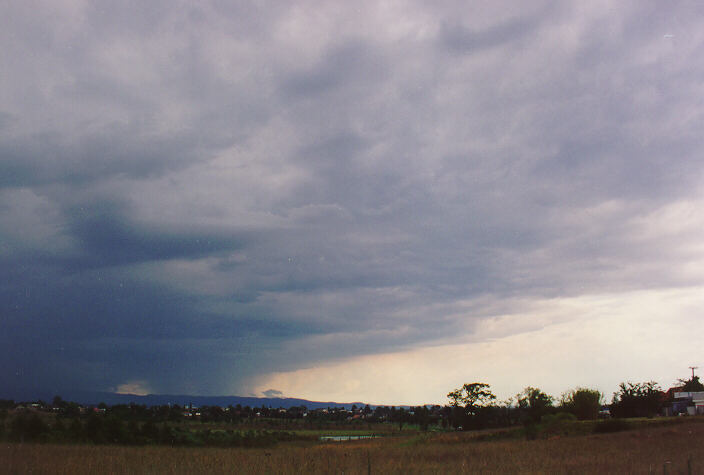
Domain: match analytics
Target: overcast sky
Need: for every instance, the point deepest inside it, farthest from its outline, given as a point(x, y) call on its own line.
point(373, 201)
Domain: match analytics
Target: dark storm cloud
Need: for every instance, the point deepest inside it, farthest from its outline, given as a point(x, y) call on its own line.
point(108, 238)
point(48, 159)
point(191, 195)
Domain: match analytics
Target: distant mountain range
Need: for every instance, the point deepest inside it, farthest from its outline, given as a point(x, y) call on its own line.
point(111, 399)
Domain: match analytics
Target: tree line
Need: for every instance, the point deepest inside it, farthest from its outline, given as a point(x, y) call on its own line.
point(99, 429)
point(232, 426)
point(474, 406)
point(471, 406)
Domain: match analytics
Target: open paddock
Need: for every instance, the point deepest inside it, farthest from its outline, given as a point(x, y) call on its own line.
point(643, 450)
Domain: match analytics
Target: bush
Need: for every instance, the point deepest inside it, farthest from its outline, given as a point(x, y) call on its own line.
point(94, 430)
point(533, 404)
point(637, 400)
point(532, 431)
point(583, 403)
point(28, 428)
point(557, 418)
point(611, 425)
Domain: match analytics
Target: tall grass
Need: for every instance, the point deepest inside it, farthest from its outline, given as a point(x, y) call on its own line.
point(635, 451)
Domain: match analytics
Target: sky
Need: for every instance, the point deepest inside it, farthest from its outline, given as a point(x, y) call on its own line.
point(351, 201)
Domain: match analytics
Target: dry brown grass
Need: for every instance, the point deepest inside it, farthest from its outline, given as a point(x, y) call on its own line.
point(639, 451)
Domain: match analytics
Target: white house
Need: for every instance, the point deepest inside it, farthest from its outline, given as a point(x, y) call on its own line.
point(696, 401)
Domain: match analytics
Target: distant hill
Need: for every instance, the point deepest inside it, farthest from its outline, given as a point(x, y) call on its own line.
point(180, 399)
point(94, 398)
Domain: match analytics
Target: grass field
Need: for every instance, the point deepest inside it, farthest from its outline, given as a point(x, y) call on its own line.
point(649, 449)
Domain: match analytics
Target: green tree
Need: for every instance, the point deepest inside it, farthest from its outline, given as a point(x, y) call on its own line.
point(691, 385)
point(637, 400)
point(421, 415)
point(584, 403)
point(469, 405)
point(533, 404)
point(471, 396)
point(401, 417)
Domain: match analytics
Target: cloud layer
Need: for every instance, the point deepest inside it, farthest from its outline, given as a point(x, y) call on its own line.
point(193, 197)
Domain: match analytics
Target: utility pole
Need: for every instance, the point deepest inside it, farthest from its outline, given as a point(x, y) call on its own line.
point(693, 368)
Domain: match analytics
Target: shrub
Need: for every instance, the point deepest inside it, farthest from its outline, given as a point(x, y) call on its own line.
point(637, 400)
point(611, 425)
point(583, 403)
point(27, 428)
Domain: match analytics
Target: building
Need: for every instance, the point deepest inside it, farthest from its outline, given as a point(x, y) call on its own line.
point(683, 402)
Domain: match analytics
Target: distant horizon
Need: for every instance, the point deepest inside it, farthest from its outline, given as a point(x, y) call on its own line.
point(500, 398)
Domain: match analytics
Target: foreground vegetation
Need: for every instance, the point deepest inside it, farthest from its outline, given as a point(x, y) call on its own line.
point(649, 447)
point(532, 432)
point(472, 407)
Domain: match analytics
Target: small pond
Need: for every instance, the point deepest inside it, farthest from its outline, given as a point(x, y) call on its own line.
point(343, 438)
